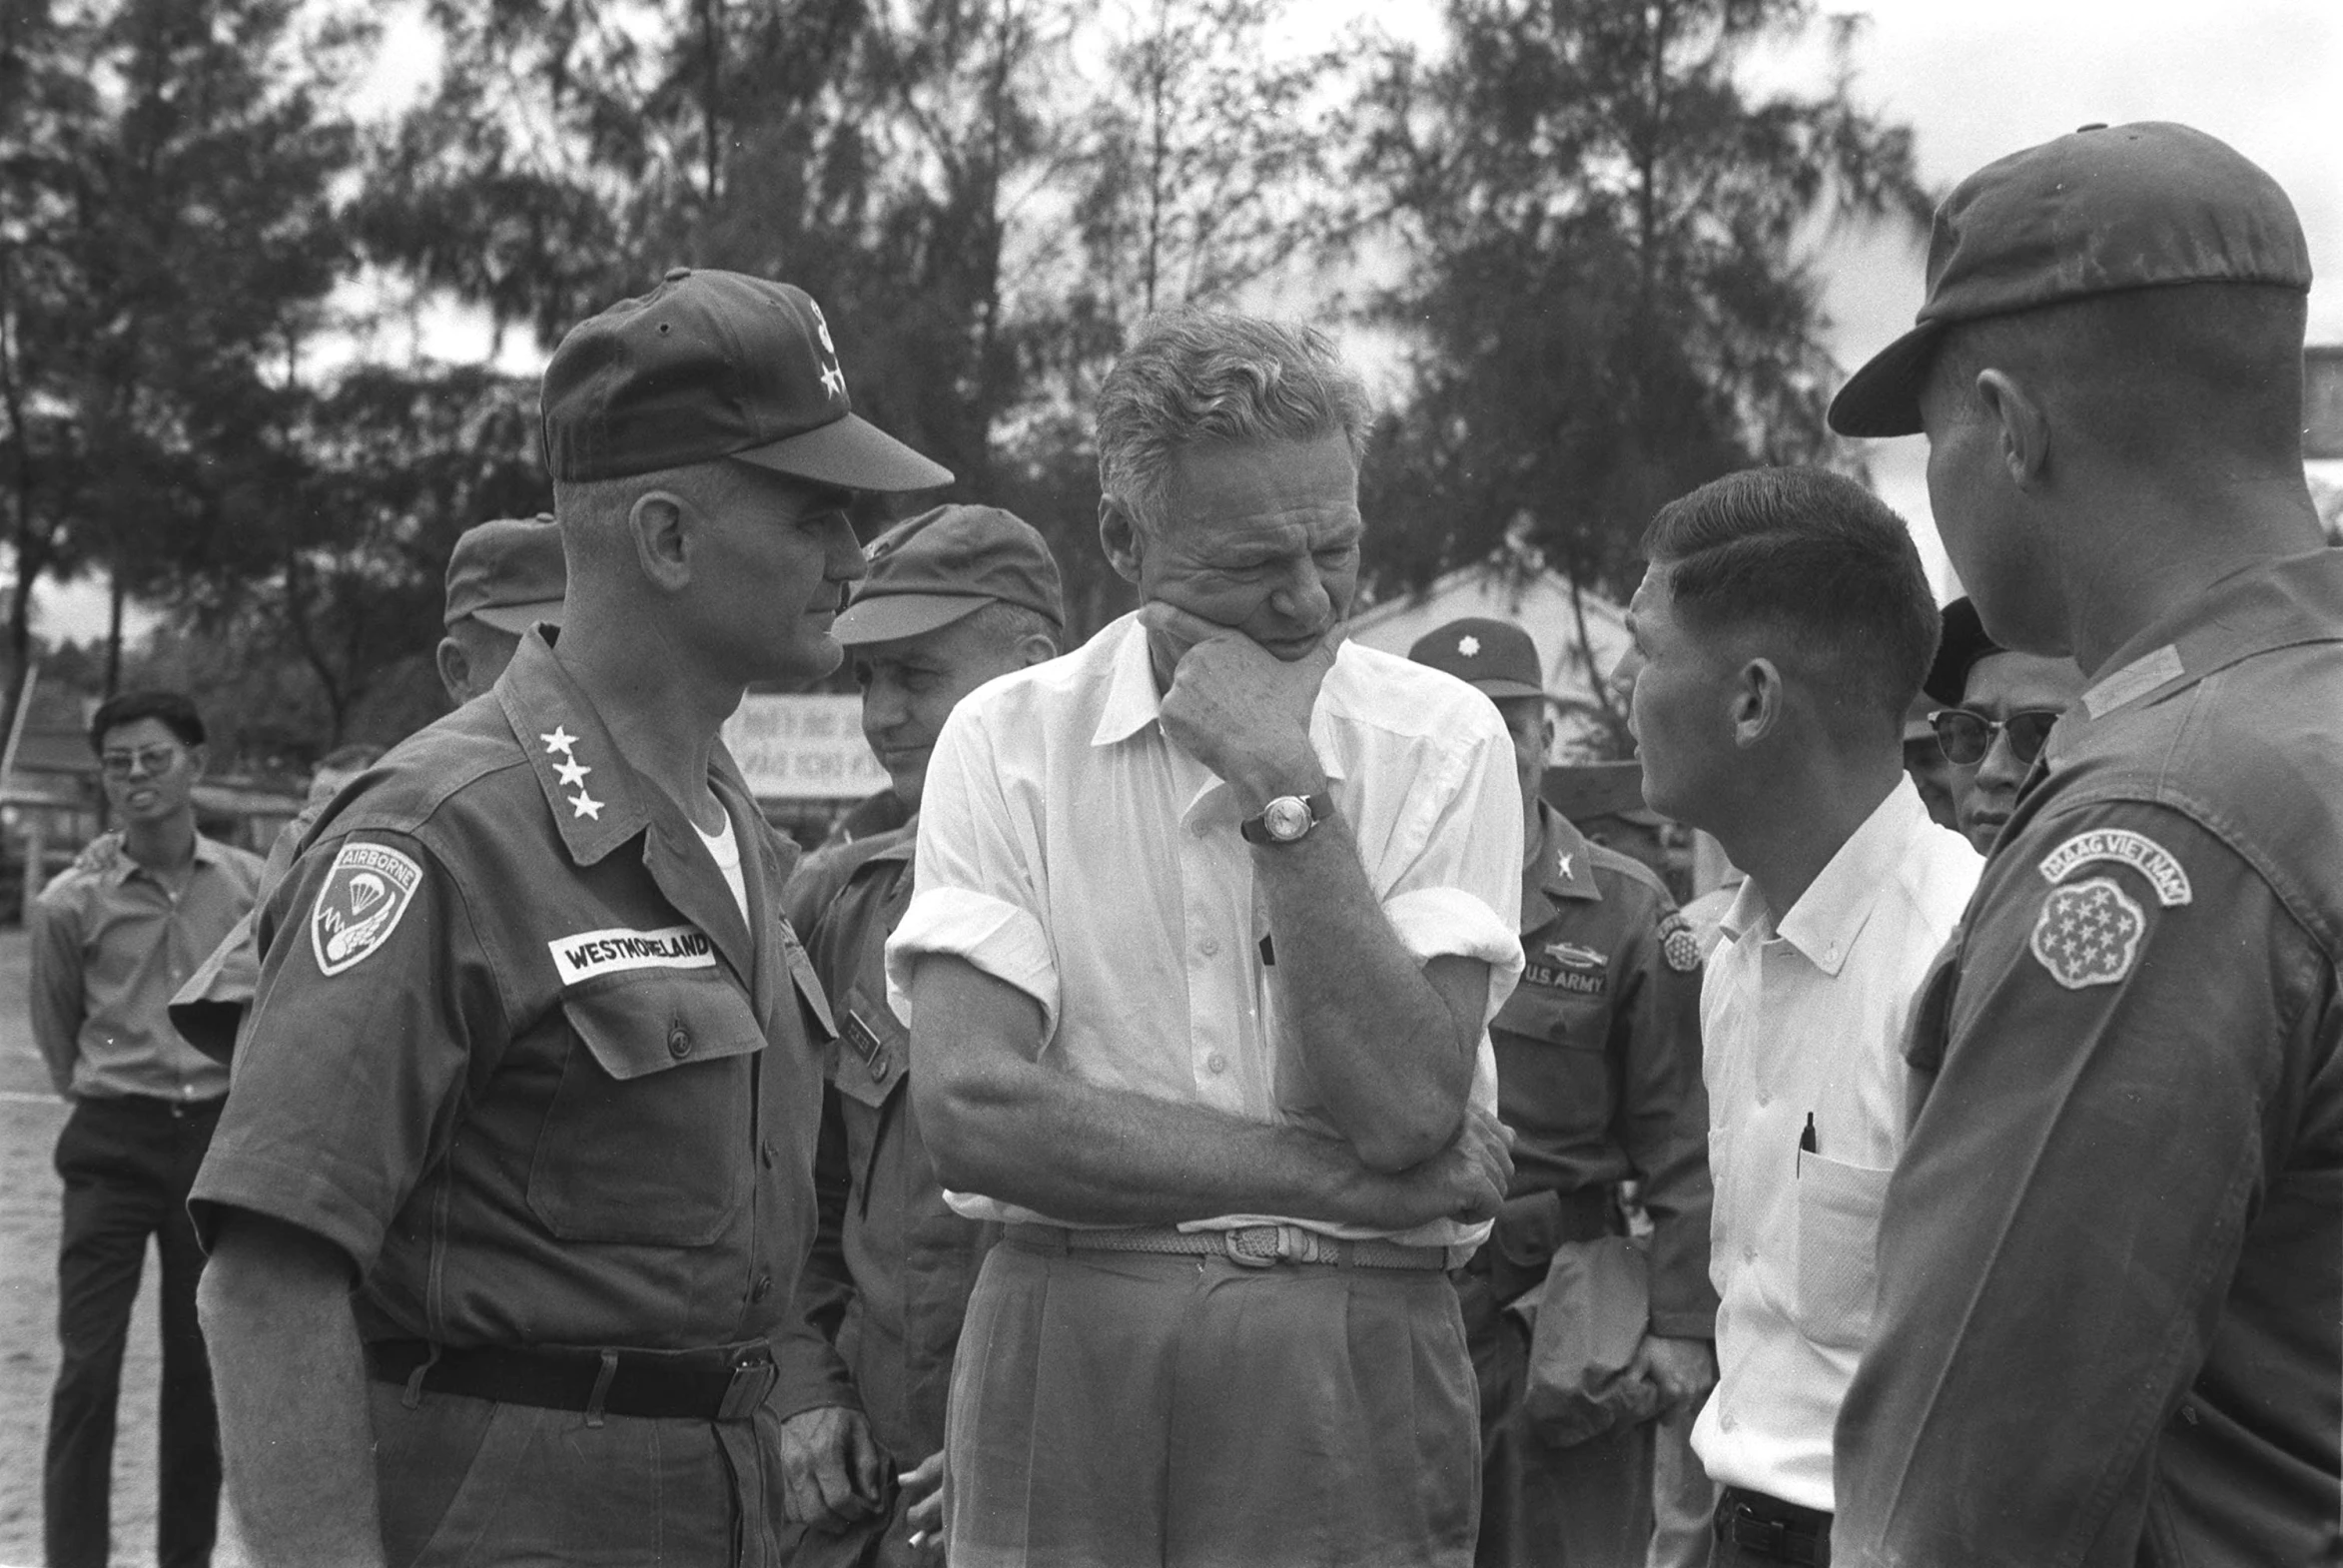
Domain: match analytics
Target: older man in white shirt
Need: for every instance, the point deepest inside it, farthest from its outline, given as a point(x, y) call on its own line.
point(1212, 917)
point(1780, 632)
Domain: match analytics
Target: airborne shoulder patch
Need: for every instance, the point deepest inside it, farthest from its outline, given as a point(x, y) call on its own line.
point(1677, 943)
point(367, 890)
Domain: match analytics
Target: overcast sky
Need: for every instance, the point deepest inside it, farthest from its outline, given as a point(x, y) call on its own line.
point(1976, 80)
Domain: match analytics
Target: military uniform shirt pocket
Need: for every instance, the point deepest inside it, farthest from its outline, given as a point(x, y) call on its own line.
point(1838, 1240)
point(647, 1137)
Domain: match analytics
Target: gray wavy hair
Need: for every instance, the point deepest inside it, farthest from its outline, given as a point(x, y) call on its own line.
point(1196, 374)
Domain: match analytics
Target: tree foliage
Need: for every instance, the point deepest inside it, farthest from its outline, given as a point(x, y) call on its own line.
point(1608, 283)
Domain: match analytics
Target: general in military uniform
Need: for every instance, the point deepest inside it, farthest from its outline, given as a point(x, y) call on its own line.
point(2109, 1328)
point(952, 599)
point(1598, 1077)
point(509, 1202)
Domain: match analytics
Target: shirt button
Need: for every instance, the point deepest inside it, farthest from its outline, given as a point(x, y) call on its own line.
point(1201, 829)
point(1726, 1422)
point(1209, 945)
point(1748, 1254)
point(878, 1067)
point(1764, 1098)
point(679, 1042)
point(1217, 1063)
point(762, 1289)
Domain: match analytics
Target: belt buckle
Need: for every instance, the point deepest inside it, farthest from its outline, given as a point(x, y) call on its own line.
point(1770, 1536)
point(1234, 1243)
point(753, 1377)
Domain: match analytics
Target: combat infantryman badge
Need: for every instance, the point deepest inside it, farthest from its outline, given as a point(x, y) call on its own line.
point(2088, 934)
point(368, 888)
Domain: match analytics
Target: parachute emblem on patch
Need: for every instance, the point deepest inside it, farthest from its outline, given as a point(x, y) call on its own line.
point(367, 890)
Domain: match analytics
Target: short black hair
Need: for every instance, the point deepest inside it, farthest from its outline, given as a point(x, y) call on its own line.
point(1815, 555)
point(171, 709)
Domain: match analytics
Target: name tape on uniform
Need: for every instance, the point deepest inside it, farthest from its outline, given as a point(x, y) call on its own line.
point(367, 890)
point(592, 953)
point(2125, 847)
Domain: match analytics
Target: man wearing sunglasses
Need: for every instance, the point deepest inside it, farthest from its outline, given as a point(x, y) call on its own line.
point(109, 945)
point(2109, 1326)
point(1998, 708)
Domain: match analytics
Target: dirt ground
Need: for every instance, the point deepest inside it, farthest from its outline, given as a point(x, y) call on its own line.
point(30, 1117)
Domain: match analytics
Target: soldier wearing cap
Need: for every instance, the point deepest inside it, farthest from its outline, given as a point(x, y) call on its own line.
point(1995, 710)
point(509, 1206)
point(1598, 1078)
point(504, 576)
point(952, 599)
point(2109, 1326)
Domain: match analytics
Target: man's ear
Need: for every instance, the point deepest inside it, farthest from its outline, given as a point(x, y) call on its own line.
point(1121, 536)
point(1034, 648)
point(661, 522)
point(455, 670)
point(199, 758)
point(2026, 430)
point(1759, 701)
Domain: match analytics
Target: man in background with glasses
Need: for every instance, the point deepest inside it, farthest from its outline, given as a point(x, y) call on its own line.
point(1998, 708)
point(109, 947)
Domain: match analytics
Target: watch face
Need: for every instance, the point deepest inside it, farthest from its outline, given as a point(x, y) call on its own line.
point(1287, 818)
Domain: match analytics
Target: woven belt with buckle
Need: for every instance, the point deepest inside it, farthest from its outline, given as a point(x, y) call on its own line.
point(1252, 1247)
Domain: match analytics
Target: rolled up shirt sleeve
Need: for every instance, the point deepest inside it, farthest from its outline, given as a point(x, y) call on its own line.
point(1453, 882)
point(973, 898)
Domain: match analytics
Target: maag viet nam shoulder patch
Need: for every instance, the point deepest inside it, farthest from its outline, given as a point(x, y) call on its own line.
point(2088, 934)
point(367, 890)
point(2125, 847)
point(1677, 943)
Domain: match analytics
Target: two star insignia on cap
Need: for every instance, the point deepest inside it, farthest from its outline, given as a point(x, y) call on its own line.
point(573, 772)
point(1469, 646)
point(833, 375)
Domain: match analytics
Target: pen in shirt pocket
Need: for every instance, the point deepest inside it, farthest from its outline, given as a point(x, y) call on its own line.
point(1808, 1143)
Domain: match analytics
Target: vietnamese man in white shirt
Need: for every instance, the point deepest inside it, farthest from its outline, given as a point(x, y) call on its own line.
point(1782, 628)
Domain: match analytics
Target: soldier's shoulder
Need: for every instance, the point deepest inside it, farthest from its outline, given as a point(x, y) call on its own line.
point(826, 872)
point(1621, 875)
point(464, 765)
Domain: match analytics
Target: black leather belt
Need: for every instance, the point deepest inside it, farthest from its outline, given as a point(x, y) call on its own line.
point(719, 1384)
point(1773, 1528)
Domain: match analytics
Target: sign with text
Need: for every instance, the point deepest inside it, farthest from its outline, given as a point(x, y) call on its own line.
point(806, 747)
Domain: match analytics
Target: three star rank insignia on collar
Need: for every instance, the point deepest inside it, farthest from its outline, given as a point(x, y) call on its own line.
point(571, 772)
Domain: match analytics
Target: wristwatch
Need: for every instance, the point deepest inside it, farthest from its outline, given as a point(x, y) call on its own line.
point(1286, 820)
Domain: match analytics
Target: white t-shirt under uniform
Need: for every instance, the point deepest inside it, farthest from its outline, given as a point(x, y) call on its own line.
point(1068, 848)
point(1804, 1016)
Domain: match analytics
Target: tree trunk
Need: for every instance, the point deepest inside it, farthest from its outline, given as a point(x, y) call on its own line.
point(114, 598)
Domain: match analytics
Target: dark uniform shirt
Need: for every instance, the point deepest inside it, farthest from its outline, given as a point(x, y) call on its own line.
point(517, 1052)
point(2111, 1317)
point(1599, 1058)
point(893, 1267)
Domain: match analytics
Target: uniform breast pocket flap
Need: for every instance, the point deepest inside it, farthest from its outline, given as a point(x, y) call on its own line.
point(648, 1136)
point(1838, 1240)
point(873, 1049)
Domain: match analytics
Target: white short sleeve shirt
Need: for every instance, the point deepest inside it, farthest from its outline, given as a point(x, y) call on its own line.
point(1068, 848)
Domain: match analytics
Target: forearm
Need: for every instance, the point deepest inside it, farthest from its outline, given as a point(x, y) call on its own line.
point(1390, 1060)
point(1076, 1152)
point(296, 1440)
point(54, 1002)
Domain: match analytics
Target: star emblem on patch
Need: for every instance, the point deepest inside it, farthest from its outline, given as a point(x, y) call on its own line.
point(571, 774)
point(584, 805)
point(2088, 934)
point(833, 379)
point(1678, 945)
point(561, 740)
point(1469, 646)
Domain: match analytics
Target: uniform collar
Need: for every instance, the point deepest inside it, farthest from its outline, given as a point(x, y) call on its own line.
point(1832, 910)
point(1562, 866)
point(896, 844)
point(1133, 703)
point(599, 802)
point(208, 852)
point(2271, 604)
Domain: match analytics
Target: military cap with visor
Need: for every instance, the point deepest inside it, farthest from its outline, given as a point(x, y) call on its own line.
point(715, 365)
point(1495, 657)
point(507, 573)
point(2103, 211)
point(943, 565)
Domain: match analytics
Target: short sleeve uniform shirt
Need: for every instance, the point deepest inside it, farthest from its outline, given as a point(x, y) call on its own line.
point(515, 1051)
